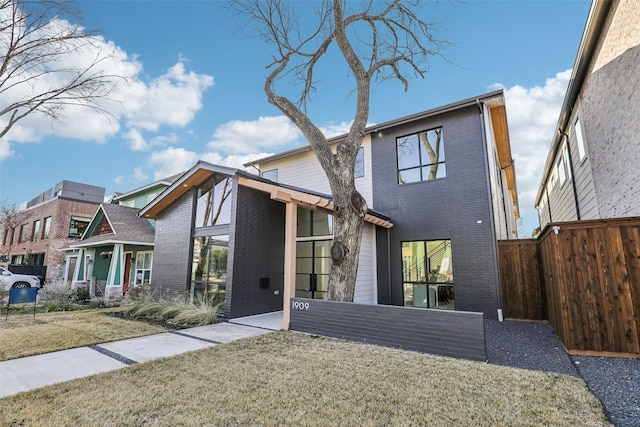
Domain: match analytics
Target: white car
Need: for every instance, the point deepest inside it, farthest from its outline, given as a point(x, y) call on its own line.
point(9, 280)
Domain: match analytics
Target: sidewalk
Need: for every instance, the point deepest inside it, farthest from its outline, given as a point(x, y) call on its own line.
point(27, 373)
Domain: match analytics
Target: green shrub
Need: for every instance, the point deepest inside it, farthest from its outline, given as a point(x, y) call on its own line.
point(81, 296)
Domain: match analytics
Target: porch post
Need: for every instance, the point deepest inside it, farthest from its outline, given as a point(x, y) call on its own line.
point(291, 214)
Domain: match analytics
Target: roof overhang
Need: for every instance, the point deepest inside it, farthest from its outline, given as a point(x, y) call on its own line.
point(306, 200)
point(498, 115)
point(95, 244)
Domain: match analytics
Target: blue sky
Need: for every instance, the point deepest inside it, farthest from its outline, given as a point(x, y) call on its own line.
point(196, 92)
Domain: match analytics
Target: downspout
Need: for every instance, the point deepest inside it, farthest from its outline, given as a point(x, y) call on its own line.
point(389, 296)
point(573, 177)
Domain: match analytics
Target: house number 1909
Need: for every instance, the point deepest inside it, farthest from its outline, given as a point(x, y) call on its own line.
point(296, 305)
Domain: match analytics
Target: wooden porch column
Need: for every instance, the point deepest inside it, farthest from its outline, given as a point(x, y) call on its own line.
point(289, 262)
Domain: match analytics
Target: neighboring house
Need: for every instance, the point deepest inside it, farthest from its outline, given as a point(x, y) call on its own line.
point(443, 179)
point(141, 196)
point(55, 219)
point(591, 170)
point(116, 251)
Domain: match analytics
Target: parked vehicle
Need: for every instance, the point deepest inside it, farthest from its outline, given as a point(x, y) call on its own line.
point(9, 280)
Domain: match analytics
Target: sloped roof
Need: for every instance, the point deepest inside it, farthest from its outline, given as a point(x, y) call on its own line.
point(126, 226)
point(165, 182)
point(203, 170)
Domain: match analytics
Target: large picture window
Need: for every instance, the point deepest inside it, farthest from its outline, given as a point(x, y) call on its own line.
point(427, 274)
point(421, 156)
point(209, 268)
point(214, 201)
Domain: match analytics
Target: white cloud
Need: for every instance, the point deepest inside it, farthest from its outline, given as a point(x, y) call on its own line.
point(332, 129)
point(244, 137)
point(171, 99)
point(135, 140)
point(139, 175)
point(118, 180)
point(532, 114)
point(171, 161)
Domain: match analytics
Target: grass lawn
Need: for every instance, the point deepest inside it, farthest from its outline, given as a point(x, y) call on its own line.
point(287, 378)
point(23, 335)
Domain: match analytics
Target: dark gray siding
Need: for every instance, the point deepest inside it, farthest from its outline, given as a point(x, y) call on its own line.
point(446, 333)
point(173, 246)
point(258, 252)
point(457, 207)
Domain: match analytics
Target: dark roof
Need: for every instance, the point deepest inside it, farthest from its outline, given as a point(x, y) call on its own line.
point(126, 225)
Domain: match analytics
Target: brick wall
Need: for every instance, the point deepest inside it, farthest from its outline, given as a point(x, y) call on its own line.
point(610, 105)
point(258, 252)
point(456, 207)
point(173, 246)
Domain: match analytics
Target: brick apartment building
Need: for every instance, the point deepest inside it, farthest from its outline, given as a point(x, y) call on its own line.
point(55, 218)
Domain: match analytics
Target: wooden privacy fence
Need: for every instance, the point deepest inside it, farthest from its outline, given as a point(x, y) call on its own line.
point(588, 281)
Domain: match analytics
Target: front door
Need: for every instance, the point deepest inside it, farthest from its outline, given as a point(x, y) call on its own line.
point(313, 260)
point(127, 272)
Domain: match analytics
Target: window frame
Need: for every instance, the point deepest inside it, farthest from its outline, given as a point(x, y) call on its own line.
point(577, 127)
point(422, 165)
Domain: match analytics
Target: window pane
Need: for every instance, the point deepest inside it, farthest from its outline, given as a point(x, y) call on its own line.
point(434, 171)
point(408, 152)
point(358, 170)
point(304, 249)
point(322, 224)
point(409, 175)
point(147, 260)
point(323, 248)
point(304, 265)
point(322, 265)
point(304, 223)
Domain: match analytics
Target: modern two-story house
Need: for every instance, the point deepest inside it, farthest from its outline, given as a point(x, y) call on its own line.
point(591, 170)
point(440, 186)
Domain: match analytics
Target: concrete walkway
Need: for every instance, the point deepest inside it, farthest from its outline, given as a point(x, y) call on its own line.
point(32, 372)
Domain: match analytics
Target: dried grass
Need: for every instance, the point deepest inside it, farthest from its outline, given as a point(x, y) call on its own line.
point(23, 335)
point(286, 378)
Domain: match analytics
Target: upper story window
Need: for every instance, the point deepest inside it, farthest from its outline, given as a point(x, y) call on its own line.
point(358, 169)
point(78, 226)
point(47, 227)
point(579, 139)
point(36, 230)
point(214, 201)
point(271, 174)
point(150, 197)
point(562, 174)
point(23, 233)
point(421, 156)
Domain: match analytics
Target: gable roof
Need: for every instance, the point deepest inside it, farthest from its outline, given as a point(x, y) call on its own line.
point(125, 224)
point(202, 171)
point(162, 182)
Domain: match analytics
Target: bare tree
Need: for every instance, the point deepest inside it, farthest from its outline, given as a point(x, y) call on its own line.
point(11, 218)
point(379, 40)
point(38, 46)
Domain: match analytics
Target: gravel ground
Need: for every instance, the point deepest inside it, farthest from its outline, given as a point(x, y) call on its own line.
point(529, 345)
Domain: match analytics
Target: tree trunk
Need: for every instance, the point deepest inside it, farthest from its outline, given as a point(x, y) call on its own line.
point(348, 222)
